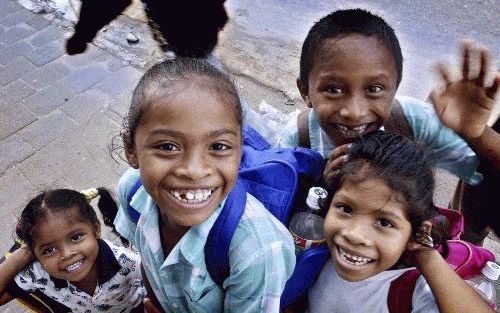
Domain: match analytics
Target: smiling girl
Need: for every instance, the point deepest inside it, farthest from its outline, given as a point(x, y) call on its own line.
point(378, 227)
point(184, 141)
point(63, 266)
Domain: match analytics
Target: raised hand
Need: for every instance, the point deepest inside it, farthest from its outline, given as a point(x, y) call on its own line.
point(465, 105)
point(337, 158)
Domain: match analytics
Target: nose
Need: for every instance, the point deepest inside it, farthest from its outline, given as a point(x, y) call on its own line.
point(358, 234)
point(67, 252)
point(354, 108)
point(194, 166)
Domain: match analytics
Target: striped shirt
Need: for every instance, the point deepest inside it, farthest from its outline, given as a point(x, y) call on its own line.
point(261, 257)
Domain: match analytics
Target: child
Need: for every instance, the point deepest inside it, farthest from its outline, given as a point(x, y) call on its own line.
point(64, 265)
point(381, 209)
point(350, 68)
point(184, 141)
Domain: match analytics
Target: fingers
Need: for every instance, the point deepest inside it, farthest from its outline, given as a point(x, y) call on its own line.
point(484, 59)
point(492, 91)
point(443, 72)
point(466, 47)
point(149, 307)
point(337, 159)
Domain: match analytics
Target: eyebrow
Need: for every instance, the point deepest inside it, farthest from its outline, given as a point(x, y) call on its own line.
point(212, 134)
point(383, 210)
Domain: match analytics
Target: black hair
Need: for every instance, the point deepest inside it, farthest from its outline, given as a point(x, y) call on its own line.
point(405, 166)
point(346, 22)
point(59, 200)
point(160, 79)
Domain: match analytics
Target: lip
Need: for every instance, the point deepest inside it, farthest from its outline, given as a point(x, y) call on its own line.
point(347, 265)
point(73, 270)
point(193, 206)
point(352, 131)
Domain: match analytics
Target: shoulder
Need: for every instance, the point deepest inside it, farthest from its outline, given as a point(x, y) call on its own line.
point(259, 232)
point(128, 180)
point(124, 256)
point(32, 277)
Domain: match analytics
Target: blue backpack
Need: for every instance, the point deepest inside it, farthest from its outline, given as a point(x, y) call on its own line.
point(272, 176)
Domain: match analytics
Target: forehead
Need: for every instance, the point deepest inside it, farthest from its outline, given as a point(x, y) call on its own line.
point(191, 101)
point(54, 224)
point(371, 196)
point(353, 54)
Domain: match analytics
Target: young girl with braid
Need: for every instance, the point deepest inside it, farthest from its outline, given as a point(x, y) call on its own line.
point(63, 265)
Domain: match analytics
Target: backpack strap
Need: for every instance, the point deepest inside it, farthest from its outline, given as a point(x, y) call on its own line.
point(133, 213)
point(397, 122)
point(303, 129)
point(401, 292)
point(221, 233)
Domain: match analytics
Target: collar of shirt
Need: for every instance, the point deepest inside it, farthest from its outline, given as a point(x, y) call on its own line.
point(107, 266)
point(191, 245)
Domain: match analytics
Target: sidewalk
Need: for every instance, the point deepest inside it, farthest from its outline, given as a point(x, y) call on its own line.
point(59, 113)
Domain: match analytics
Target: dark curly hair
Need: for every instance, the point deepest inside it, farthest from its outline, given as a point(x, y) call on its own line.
point(59, 200)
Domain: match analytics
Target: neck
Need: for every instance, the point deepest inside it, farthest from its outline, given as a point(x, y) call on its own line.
point(171, 233)
point(89, 283)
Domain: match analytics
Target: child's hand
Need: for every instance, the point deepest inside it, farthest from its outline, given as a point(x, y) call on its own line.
point(149, 307)
point(24, 255)
point(419, 247)
point(337, 158)
point(465, 105)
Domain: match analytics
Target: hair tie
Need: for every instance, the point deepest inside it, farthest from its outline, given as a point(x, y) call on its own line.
point(90, 194)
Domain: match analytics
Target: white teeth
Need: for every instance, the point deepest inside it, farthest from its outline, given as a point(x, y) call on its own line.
point(74, 267)
point(354, 259)
point(354, 131)
point(192, 196)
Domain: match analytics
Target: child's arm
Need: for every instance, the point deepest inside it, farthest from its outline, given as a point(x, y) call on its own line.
point(451, 292)
point(12, 265)
point(465, 105)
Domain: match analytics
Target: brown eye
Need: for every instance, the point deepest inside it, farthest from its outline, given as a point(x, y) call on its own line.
point(374, 89)
point(385, 223)
point(219, 147)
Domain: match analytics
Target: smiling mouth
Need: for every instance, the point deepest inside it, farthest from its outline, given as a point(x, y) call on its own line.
point(353, 259)
point(352, 131)
point(74, 267)
point(192, 196)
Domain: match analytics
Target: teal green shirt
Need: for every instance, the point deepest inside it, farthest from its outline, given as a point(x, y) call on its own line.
point(261, 257)
point(447, 149)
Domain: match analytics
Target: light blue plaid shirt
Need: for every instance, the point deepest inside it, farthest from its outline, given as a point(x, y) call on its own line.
point(447, 149)
point(261, 255)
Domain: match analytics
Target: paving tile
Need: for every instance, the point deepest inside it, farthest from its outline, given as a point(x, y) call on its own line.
point(47, 35)
point(38, 22)
point(48, 99)
point(13, 150)
point(117, 107)
point(15, 191)
point(15, 69)
point(85, 77)
point(13, 118)
point(10, 53)
point(8, 7)
point(86, 105)
point(16, 18)
point(46, 53)
point(16, 33)
point(46, 75)
point(47, 128)
point(92, 55)
point(14, 92)
point(121, 82)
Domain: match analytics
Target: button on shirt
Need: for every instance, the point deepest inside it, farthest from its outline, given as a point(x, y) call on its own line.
point(261, 257)
point(119, 288)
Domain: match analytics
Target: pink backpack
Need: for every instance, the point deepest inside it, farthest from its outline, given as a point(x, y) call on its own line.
point(466, 259)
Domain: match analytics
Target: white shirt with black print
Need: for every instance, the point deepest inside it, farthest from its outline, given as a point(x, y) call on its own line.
point(119, 289)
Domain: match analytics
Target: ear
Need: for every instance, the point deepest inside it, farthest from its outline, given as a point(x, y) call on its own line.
point(130, 151)
point(304, 92)
point(98, 230)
